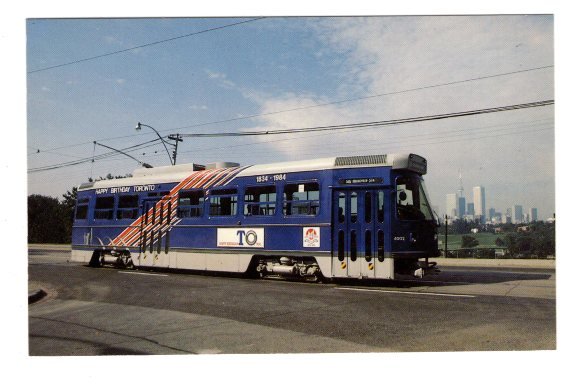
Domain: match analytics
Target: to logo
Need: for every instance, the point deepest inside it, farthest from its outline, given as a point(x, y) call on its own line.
point(250, 237)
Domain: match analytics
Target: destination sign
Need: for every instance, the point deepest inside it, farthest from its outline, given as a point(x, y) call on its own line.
point(365, 180)
point(127, 189)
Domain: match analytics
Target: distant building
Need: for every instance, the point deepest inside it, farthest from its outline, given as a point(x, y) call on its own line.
point(507, 219)
point(479, 203)
point(470, 209)
point(491, 214)
point(451, 205)
point(534, 214)
point(461, 206)
point(497, 219)
point(518, 215)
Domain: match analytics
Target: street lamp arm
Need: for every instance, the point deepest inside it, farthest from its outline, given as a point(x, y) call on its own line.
point(139, 127)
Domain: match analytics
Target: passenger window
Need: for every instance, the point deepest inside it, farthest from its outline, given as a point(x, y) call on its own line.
point(353, 245)
point(368, 245)
point(260, 201)
point(104, 208)
point(301, 199)
point(341, 245)
point(341, 207)
point(380, 206)
point(380, 245)
point(368, 207)
point(353, 207)
point(223, 202)
point(82, 209)
point(127, 207)
point(190, 203)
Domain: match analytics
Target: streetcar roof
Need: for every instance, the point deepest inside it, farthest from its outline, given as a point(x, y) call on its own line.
point(396, 161)
point(176, 173)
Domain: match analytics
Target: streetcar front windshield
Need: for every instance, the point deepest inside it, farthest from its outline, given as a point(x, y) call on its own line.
point(412, 201)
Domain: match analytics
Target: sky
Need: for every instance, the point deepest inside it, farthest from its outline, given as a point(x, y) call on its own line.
point(243, 74)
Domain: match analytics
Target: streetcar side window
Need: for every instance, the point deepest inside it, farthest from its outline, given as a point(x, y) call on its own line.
point(82, 209)
point(104, 209)
point(353, 207)
point(260, 201)
point(301, 199)
point(341, 207)
point(127, 207)
point(380, 207)
point(191, 203)
point(223, 202)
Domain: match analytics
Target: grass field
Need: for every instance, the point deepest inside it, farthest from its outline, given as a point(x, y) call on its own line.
point(485, 240)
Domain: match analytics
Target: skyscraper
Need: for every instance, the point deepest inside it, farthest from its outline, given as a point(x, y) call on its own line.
point(518, 214)
point(461, 206)
point(491, 214)
point(451, 205)
point(534, 214)
point(470, 209)
point(479, 203)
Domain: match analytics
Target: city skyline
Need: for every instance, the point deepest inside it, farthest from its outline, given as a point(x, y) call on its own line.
point(454, 202)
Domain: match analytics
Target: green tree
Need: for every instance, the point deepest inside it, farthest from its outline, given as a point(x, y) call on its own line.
point(469, 242)
point(47, 220)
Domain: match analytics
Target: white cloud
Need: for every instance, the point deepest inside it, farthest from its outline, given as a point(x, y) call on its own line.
point(393, 54)
point(221, 78)
point(198, 107)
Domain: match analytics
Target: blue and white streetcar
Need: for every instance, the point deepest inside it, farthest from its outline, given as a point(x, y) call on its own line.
point(331, 218)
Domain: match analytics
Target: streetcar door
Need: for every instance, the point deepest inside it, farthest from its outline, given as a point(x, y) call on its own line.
point(348, 226)
point(359, 228)
point(154, 236)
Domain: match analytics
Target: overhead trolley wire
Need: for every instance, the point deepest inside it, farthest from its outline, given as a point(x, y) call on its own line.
point(366, 97)
point(374, 123)
point(328, 128)
point(436, 135)
point(319, 105)
point(143, 45)
point(93, 158)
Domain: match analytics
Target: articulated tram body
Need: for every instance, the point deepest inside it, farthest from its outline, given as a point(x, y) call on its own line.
point(342, 217)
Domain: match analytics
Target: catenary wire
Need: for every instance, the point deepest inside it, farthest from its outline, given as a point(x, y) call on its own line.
point(314, 105)
point(142, 46)
point(356, 125)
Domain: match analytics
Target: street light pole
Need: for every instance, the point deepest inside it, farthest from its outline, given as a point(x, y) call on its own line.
point(176, 137)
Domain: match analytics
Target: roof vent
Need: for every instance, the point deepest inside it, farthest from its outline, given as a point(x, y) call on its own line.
point(360, 160)
point(222, 164)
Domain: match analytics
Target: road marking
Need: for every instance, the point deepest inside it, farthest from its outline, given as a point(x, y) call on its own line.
point(405, 292)
point(143, 273)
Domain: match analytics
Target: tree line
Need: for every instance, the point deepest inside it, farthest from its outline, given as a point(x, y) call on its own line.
point(50, 219)
point(537, 239)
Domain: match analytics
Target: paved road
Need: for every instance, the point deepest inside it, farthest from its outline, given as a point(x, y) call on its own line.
point(108, 311)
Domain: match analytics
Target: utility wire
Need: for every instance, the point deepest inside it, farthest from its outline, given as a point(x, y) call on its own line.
point(93, 158)
point(317, 105)
point(143, 46)
point(330, 128)
point(365, 97)
point(435, 135)
point(373, 123)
